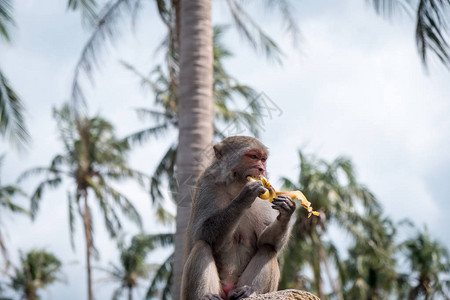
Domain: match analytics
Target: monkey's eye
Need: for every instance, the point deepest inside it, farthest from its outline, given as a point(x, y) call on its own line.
point(253, 156)
point(263, 159)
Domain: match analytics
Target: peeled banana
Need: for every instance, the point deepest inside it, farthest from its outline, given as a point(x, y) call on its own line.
point(271, 193)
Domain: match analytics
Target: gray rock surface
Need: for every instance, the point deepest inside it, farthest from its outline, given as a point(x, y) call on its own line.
point(285, 295)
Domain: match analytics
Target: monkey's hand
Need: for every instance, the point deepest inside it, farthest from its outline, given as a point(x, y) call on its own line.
point(271, 194)
point(250, 192)
point(276, 234)
point(285, 206)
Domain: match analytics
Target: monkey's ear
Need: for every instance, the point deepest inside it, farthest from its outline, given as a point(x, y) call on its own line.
point(218, 150)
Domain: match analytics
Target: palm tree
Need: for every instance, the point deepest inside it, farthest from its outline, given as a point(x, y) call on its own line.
point(132, 261)
point(333, 190)
point(38, 269)
point(93, 158)
point(370, 271)
point(7, 192)
point(195, 113)
point(429, 266)
point(227, 92)
point(12, 123)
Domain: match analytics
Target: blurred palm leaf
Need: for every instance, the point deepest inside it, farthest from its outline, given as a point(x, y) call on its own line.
point(7, 194)
point(432, 25)
point(38, 269)
point(12, 123)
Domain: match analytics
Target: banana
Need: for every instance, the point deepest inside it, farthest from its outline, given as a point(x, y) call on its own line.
point(272, 193)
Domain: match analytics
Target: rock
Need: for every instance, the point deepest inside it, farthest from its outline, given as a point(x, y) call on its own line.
point(285, 295)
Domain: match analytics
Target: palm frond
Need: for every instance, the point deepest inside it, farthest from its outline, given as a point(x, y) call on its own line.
point(6, 19)
point(144, 135)
point(37, 195)
point(4, 253)
point(124, 204)
point(117, 293)
point(87, 7)
point(163, 276)
point(145, 80)
point(12, 123)
point(249, 29)
point(432, 30)
point(389, 8)
point(5, 201)
point(220, 51)
point(37, 171)
point(153, 241)
point(118, 171)
point(107, 29)
point(110, 217)
point(145, 114)
point(165, 169)
point(164, 216)
point(238, 120)
point(71, 218)
point(288, 184)
point(287, 12)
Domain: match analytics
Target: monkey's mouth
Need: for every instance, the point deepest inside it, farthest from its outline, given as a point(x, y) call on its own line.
point(256, 173)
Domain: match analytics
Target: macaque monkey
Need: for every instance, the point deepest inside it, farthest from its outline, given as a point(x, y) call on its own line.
point(233, 237)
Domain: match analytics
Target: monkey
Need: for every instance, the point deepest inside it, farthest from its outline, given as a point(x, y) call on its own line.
point(232, 239)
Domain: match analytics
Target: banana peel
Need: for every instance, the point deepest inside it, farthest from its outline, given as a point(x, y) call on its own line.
point(272, 193)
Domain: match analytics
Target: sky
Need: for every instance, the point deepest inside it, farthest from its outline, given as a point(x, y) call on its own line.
point(354, 87)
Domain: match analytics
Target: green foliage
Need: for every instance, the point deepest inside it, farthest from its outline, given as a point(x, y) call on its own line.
point(6, 19)
point(429, 267)
point(370, 270)
point(432, 30)
point(7, 193)
point(162, 281)
point(12, 124)
point(432, 25)
point(87, 8)
point(38, 269)
point(333, 190)
point(132, 261)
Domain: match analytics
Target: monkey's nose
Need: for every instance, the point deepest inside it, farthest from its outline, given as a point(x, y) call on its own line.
point(261, 169)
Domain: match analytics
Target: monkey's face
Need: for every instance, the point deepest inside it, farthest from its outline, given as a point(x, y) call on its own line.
point(253, 163)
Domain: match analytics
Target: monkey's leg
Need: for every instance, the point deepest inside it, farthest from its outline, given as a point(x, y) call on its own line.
point(200, 276)
point(261, 274)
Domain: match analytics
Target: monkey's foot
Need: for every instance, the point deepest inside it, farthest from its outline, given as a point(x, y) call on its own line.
point(212, 297)
point(245, 291)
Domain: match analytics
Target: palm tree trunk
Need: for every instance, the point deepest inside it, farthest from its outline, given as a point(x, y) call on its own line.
point(316, 267)
point(88, 237)
point(31, 294)
point(194, 114)
point(130, 293)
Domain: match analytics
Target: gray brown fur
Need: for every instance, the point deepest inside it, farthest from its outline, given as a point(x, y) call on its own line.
point(232, 239)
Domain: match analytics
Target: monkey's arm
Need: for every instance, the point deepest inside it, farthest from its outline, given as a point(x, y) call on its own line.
point(277, 233)
point(216, 226)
